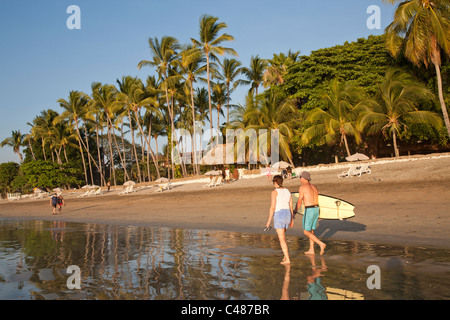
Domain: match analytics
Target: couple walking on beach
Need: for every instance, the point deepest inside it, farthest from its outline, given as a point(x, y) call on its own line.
point(282, 212)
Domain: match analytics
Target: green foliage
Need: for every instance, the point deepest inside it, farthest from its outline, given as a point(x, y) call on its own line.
point(363, 62)
point(8, 172)
point(46, 174)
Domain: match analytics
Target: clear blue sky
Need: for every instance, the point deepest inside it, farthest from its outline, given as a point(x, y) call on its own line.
point(41, 60)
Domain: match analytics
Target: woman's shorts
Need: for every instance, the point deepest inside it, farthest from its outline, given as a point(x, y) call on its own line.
point(310, 218)
point(282, 219)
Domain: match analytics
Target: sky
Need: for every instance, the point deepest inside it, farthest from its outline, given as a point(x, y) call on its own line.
point(42, 60)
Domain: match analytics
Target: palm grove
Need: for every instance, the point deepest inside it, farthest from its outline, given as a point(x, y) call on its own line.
point(352, 97)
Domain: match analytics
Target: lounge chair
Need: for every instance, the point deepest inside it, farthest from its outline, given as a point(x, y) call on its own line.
point(128, 189)
point(362, 169)
point(164, 187)
point(87, 193)
point(211, 183)
point(218, 182)
point(13, 196)
point(349, 173)
point(98, 192)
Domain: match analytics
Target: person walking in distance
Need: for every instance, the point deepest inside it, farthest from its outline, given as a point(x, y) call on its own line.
point(309, 195)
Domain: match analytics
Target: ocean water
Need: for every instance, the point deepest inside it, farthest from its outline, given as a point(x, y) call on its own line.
point(144, 263)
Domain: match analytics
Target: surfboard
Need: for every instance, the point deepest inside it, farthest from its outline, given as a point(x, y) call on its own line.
point(331, 208)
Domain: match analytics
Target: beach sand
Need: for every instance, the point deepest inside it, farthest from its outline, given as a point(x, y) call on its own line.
point(402, 202)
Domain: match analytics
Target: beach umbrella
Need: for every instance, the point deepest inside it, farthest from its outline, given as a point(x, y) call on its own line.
point(213, 173)
point(129, 183)
point(280, 165)
point(357, 157)
point(162, 180)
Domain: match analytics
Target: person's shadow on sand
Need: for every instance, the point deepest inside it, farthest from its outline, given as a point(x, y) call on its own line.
point(328, 228)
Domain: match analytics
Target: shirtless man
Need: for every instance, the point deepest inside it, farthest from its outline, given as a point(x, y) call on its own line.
point(309, 195)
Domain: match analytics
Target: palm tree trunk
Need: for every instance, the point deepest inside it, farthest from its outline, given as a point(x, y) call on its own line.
point(111, 155)
point(194, 146)
point(99, 156)
point(82, 156)
point(148, 164)
point(172, 136)
point(209, 98)
point(157, 155)
point(346, 144)
point(65, 154)
point(118, 151)
point(228, 105)
point(134, 146)
point(148, 142)
point(441, 98)
point(43, 149)
point(394, 139)
point(169, 141)
point(31, 149)
point(88, 151)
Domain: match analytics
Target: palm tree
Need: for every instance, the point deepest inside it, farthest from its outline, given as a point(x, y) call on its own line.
point(192, 65)
point(105, 98)
point(343, 104)
point(281, 115)
point(421, 31)
point(42, 128)
point(29, 137)
point(134, 95)
point(255, 73)
point(62, 137)
point(164, 54)
point(15, 141)
point(395, 102)
point(209, 42)
point(278, 68)
point(231, 69)
point(219, 97)
point(76, 109)
point(270, 113)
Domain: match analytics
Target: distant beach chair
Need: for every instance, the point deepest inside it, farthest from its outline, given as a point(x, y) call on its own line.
point(98, 192)
point(38, 196)
point(362, 169)
point(128, 189)
point(13, 196)
point(87, 193)
point(164, 187)
point(350, 172)
point(218, 182)
point(211, 183)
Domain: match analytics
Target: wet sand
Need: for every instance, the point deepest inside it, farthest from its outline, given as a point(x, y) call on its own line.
point(406, 202)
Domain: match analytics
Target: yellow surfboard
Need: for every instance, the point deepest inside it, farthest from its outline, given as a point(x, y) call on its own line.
point(331, 208)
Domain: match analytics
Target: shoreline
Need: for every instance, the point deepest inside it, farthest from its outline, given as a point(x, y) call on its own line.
point(400, 203)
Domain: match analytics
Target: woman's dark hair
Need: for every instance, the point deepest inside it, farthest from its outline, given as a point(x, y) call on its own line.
point(278, 179)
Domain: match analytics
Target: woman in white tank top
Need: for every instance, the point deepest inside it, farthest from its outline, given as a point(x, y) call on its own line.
point(281, 211)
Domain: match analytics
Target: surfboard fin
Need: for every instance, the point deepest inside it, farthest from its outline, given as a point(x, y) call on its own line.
point(338, 203)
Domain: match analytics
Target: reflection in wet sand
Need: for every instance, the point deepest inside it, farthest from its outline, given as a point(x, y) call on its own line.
point(154, 263)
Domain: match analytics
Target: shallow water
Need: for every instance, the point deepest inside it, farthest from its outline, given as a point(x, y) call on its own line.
point(119, 262)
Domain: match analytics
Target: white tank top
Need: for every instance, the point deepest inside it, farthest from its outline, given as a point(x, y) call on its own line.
point(283, 198)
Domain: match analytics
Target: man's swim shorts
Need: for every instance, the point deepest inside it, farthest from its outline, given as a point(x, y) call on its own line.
point(310, 218)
